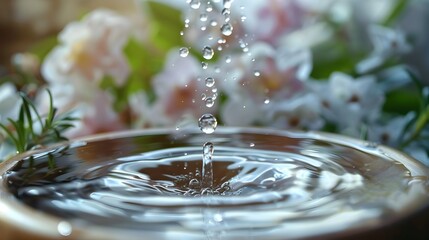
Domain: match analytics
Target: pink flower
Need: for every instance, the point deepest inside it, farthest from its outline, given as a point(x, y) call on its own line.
point(89, 50)
point(268, 20)
point(178, 92)
point(266, 75)
point(96, 117)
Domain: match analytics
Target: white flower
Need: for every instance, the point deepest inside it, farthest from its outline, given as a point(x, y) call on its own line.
point(89, 50)
point(349, 102)
point(241, 111)
point(389, 133)
point(10, 102)
point(26, 62)
point(300, 112)
point(418, 152)
point(387, 43)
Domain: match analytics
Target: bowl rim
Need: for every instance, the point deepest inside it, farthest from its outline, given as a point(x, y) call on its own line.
point(25, 218)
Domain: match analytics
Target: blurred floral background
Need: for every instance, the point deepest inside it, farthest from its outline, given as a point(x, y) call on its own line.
point(354, 67)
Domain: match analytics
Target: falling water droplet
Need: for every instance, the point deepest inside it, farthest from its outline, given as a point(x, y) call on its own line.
point(226, 29)
point(207, 123)
point(203, 17)
point(209, 102)
point(227, 3)
point(195, 4)
point(210, 82)
point(226, 12)
point(228, 59)
point(257, 73)
point(208, 52)
point(184, 51)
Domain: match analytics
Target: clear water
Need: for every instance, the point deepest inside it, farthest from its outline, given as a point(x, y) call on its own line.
point(266, 184)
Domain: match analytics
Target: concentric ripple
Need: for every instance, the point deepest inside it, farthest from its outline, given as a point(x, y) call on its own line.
point(264, 182)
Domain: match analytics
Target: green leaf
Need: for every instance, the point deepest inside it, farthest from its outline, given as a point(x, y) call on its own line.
point(42, 48)
point(166, 24)
point(402, 101)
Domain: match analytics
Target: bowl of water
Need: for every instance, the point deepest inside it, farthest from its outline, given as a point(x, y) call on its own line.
point(244, 183)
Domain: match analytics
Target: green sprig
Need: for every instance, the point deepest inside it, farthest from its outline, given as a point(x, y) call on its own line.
point(23, 133)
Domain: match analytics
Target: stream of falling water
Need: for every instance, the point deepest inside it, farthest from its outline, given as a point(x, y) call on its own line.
point(207, 122)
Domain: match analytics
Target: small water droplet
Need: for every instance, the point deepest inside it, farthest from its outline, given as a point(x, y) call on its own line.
point(226, 11)
point(181, 33)
point(194, 183)
point(203, 96)
point(228, 59)
point(218, 217)
point(214, 90)
point(227, 3)
point(251, 144)
point(204, 65)
point(184, 52)
point(64, 228)
point(203, 17)
point(203, 28)
point(226, 29)
point(210, 82)
point(209, 8)
point(177, 128)
point(217, 69)
point(209, 102)
point(243, 18)
point(207, 123)
point(221, 41)
point(267, 100)
point(257, 73)
point(195, 4)
point(208, 52)
point(213, 23)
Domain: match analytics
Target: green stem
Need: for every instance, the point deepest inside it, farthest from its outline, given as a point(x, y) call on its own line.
point(394, 14)
point(419, 126)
